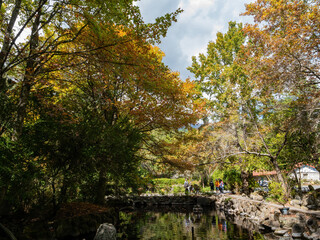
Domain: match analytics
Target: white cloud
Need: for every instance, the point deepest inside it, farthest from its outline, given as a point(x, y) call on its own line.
point(196, 26)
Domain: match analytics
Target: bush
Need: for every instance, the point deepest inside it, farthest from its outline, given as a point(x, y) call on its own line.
point(165, 185)
point(178, 189)
point(217, 174)
point(276, 192)
point(167, 181)
point(233, 179)
point(206, 190)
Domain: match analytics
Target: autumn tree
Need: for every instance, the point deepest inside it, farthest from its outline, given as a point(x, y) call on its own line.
point(52, 23)
point(248, 125)
point(283, 57)
point(228, 91)
point(34, 83)
point(126, 81)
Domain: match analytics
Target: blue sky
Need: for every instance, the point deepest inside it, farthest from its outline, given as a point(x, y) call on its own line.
point(196, 26)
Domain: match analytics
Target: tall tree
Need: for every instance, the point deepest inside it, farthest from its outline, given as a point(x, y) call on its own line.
point(284, 43)
point(252, 128)
point(29, 67)
point(52, 23)
point(282, 57)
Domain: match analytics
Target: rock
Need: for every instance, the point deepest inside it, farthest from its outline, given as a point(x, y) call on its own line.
point(256, 197)
point(296, 235)
point(312, 207)
point(288, 222)
point(280, 231)
point(297, 197)
point(312, 225)
point(315, 236)
point(276, 216)
point(106, 231)
point(285, 237)
point(306, 236)
point(295, 202)
point(301, 218)
point(297, 230)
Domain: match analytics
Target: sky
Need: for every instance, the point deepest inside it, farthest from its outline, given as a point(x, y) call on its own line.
point(195, 28)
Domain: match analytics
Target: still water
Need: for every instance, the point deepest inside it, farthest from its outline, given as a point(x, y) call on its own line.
point(186, 225)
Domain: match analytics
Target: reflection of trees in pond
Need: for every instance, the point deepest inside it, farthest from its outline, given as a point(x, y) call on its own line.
point(151, 225)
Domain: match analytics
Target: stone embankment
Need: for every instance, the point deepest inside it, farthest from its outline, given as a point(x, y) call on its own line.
point(250, 212)
point(263, 216)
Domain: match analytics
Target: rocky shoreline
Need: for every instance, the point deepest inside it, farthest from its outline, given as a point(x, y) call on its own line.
point(250, 212)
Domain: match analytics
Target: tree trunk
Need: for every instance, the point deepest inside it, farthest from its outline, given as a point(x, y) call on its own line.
point(245, 183)
point(54, 197)
point(63, 192)
point(204, 178)
point(28, 77)
point(2, 197)
point(101, 187)
point(7, 42)
point(280, 177)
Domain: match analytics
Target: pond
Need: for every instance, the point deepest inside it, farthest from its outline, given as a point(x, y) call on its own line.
point(151, 225)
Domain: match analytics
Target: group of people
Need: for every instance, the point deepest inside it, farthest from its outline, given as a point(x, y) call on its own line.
point(219, 184)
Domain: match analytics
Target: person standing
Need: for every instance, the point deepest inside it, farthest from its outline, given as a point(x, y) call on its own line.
point(211, 185)
point(221, 185)
point(216, 183)
point(186, 186)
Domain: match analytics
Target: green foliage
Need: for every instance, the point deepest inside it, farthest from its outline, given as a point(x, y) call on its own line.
point(276, 192)
point(233, 179)
point(218, 75)
point(178, 189)
point(206, 190)
point(217, 174)
point(20, 176)
point(167, 181)
point(168, 185)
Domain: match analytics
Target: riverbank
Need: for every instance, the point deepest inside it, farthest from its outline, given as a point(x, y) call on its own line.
point(250, 212)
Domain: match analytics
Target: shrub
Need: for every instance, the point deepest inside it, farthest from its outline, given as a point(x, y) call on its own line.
point(178, 189)
point(276, 192)
point(164, 185)
point(217, 174)
point(206, 190)
point(233, 179)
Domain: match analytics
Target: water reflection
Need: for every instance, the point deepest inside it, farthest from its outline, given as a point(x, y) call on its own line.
point(180, 225)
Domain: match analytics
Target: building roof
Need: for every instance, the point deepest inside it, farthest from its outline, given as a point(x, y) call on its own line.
point(305, 168)
point(271, 173)
point(264, 173)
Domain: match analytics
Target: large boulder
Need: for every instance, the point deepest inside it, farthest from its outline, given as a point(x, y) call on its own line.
point(256, 196)
point(106, 231)
point(297, 230)
point(311, 200)
point(312, 225)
